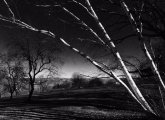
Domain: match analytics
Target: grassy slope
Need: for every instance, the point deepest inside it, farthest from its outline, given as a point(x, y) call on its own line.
point(82, 104)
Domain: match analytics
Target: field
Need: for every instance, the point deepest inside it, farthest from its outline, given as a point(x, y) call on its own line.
point(75, 104)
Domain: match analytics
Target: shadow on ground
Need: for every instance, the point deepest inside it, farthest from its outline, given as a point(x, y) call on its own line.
point(83, 104)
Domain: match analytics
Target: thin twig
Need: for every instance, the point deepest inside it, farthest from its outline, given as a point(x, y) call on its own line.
point(8, 7)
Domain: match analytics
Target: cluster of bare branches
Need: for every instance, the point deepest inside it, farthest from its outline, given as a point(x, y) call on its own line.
point(135, 16)
point(12, 75)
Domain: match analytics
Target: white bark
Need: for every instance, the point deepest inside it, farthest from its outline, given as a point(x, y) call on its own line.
point(48, 33)
point(137, 94)
point(11, 12)
point(108, 40)
point(110, 73)
point(144, 48)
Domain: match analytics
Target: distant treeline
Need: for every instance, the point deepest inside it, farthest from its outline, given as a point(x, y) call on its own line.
point(80, 82)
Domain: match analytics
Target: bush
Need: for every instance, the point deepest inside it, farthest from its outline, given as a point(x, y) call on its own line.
point(65, 85)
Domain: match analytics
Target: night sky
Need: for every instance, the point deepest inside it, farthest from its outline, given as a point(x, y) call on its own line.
point(59, 22)
point(72, 62)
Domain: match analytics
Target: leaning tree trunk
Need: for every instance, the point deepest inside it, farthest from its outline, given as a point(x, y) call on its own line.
point(143, 44)
point(48, 33)
point(107, 42)
point(110, 43)
point(104, 69)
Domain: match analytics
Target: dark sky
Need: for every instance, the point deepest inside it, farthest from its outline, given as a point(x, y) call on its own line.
point(72, 61)
point(56, 20)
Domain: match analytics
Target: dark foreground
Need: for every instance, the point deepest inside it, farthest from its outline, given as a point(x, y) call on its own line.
point(91, 104)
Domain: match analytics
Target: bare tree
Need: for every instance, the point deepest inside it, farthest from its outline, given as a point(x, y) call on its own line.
point(101, 36)
point(106, 41)
point(13, 74)
point(38, 57)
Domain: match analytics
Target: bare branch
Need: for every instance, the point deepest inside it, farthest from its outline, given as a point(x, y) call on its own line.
point(85, 25)
point(108, 43)
point(8, 7)
point(121, 82)
point(82, 6)
point(144, 47)
point(91, 9)
point(42, 64)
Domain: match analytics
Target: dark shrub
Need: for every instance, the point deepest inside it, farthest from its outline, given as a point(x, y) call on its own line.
point(95, 82)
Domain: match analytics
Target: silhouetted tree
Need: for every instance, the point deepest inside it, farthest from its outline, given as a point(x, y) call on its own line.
point(13, 74)
point(98, 31)
point(38, 57)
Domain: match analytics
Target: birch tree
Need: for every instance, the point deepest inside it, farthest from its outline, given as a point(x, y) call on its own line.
point(138, 21)
point(100, 35)
point(140, 36)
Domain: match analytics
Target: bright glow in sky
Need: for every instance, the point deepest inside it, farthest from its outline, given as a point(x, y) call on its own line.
point(69, 69)
point(75, 63)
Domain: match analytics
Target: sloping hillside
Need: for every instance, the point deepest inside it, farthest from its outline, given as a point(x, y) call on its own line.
point(82, 104)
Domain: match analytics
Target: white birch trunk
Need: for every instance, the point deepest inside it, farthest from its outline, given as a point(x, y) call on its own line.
point(108, 41)
point(97, 65)
point(48, 33)
point(144, 47)
point(139, 97)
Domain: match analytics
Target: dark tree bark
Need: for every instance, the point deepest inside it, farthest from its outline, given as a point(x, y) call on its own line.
point(31, 89)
